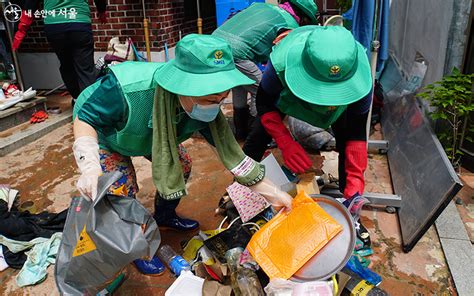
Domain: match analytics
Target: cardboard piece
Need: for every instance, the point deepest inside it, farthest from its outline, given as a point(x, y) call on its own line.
point(213, 288)
point(308, 184)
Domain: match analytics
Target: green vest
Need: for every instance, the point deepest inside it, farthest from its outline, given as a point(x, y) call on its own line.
point(250, 33)
point(138, 87)
point(288, 103)
point(66, 11)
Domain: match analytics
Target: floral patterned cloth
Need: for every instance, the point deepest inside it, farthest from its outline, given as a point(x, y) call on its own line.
point(113, 161)
point(247, 202)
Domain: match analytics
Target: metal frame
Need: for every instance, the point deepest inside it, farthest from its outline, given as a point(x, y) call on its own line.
point(380, 199)
point(380, 145)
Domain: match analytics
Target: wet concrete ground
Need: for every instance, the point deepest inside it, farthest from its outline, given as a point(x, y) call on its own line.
point(44, 172)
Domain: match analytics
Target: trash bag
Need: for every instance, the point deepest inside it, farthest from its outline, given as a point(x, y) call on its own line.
point(101, 237)
point(310, 137)
point(289, 240)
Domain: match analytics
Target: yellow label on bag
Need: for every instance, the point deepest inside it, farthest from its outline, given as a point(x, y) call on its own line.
point(84, 244)
point(362, 288)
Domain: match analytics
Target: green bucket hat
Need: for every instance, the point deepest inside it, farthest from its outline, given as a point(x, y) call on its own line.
point(309, 7)
point(203, 65)
point(330, 69)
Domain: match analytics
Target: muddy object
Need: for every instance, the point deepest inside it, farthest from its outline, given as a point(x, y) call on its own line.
point(101, 238)
point(244, 281)
point(28, 206)
point(358, 286)
point(233, 237)
point(54, 110)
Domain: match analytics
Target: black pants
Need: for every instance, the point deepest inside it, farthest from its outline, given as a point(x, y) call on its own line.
point(75, 51)
point(165, 209)
point(257, 140)
point(348, 127)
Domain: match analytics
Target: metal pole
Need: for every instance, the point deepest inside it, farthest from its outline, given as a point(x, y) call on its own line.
point(19, 77)
point(199, 19)
point(147, 36)
point(375, 45)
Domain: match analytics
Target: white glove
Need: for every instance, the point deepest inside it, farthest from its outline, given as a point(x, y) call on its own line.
point(279, 199)
point(86, 153)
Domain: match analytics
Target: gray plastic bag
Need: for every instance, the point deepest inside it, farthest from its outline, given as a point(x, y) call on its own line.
point(310, 137)
point(100, 238)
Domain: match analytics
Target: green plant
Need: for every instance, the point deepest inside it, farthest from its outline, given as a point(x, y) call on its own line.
point(452, 98)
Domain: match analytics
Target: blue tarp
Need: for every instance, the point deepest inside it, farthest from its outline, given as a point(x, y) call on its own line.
point(362, 16)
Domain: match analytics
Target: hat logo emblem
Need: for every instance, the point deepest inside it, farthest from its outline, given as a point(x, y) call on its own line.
point(334, 71)
point(218, 57)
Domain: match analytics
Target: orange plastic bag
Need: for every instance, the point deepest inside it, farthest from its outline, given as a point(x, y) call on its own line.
point(289, 240)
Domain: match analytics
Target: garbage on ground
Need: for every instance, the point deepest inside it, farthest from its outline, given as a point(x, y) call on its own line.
point(42, 252)
point(3, 262)
point(212, 288)
point(244, 281)
point(28, 241)
point(186, 284)
point(281, 247)
point(175, 262)
point(281, 287)
point(356, 267)
point(39, 116)
point(194, 252)
point(39, 258)
point(10, 90)
point(234, 236)
point(103, 249)
point(8, 195)
point(113, 286)
point(352, 285)
point(247, 202)
point(10, 96)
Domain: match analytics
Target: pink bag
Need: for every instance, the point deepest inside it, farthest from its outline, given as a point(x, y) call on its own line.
point(247, 202)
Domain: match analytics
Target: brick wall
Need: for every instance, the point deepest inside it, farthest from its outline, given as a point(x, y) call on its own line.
point(125, 18)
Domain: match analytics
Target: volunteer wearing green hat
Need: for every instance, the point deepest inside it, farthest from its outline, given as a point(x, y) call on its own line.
point(148, 109)
point(250, 34)
point(320, 75)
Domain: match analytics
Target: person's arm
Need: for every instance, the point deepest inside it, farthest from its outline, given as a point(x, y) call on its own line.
point(101, 6)
point(86, 153)
point(24, 24)
point(267, 96)
point(355, 150)
point(268, 91)
point(103, 108)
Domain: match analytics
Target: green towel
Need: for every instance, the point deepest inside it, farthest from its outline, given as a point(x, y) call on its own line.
point(166, 167)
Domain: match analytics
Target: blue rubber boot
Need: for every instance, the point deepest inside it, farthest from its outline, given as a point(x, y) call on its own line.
point(154, 267)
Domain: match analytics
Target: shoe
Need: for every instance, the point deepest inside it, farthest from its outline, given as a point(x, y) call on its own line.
point(179, 224)
point(154, 267)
